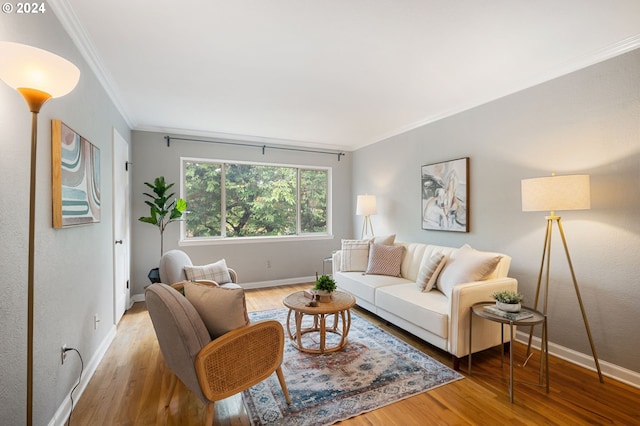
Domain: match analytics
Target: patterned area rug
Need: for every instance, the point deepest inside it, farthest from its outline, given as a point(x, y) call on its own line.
point(374, 369)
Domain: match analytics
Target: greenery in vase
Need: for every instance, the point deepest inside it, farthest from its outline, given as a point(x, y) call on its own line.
point(326, 283)
point(508, 296)
point(163, 210)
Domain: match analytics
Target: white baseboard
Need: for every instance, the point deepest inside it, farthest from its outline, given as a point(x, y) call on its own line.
point(618, 373)
point(254, 285)
point(275, 283)
point(62, 414)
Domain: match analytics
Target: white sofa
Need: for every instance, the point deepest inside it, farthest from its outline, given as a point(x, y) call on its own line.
point(440, 320)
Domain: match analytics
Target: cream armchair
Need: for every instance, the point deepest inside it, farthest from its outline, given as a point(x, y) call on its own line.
point(172, 265)
point(212, 369)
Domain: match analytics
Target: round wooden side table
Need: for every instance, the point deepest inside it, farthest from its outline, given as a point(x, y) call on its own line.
point(338, 308)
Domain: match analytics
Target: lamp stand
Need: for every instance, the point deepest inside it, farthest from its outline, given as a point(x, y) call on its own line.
point(367, 224)
point(35, 99)
point(546, 258)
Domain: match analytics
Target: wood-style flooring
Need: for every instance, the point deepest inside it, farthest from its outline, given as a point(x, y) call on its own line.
point(129, 387)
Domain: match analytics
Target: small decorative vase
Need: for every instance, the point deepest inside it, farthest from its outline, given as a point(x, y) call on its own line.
point(508, 307)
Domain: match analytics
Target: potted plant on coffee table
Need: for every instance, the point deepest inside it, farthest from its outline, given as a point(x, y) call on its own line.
point(325, 285)
point(508, 300)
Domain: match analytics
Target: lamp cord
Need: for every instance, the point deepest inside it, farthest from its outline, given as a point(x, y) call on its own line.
point(77, 384)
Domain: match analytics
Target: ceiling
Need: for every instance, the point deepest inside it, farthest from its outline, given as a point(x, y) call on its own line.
point(336, 74)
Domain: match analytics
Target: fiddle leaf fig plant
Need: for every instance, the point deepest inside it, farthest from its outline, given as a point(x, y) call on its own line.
point(164, 209)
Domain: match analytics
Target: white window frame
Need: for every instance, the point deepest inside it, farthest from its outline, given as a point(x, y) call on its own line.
point(199, 241)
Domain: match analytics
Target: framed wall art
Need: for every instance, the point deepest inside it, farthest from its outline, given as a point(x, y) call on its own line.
point(75, 170)
point(445, 195)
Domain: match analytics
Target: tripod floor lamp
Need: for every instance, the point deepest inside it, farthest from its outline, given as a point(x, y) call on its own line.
point(39, 76)
point(366, 206)
point(553, 194)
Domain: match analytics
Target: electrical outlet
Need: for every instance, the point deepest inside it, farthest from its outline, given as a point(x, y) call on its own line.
point(96, 320)
point(268, 264)
point(63, 353)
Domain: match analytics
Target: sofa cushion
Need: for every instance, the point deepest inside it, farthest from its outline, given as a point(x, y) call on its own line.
point(384, 259)
point(429, 270)
point(465, 266)
point(362, 286)
point(355, 255)
point(221, 309)
point(427, 310)
point(216, 271)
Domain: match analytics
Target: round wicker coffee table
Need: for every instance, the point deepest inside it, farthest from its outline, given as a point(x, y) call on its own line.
point(338, 308)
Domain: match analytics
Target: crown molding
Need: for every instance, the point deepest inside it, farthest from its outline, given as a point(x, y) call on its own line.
point(567, 67)
point(80, 38)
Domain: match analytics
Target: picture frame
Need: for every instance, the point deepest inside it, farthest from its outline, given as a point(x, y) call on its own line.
point(445, 195)
point(75, 177)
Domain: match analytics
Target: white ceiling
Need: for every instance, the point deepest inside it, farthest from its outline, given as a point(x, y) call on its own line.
point(338, 74)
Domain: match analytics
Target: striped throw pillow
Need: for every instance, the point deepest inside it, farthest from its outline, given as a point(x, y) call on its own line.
point(429, 270)
point(355, 255)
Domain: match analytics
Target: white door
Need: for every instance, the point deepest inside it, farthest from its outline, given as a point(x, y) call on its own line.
point(121, 224)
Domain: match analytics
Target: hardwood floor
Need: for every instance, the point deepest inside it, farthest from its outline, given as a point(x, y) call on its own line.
point(129, 386)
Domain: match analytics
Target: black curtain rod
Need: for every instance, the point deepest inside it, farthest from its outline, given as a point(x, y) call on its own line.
point(263, 147)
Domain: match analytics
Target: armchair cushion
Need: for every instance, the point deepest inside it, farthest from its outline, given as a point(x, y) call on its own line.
point(216, 271)
point(221, 309)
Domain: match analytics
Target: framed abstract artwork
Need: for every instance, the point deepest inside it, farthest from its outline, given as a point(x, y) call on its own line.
point(445, 195)
point(75, 170)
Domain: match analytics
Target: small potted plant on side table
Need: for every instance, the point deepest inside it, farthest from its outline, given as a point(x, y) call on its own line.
point(508, 300)
point(325, 285)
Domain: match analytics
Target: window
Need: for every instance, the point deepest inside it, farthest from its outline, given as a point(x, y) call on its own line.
point(231, 200)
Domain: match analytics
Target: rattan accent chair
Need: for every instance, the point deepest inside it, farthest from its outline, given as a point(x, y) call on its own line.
point(212, 370)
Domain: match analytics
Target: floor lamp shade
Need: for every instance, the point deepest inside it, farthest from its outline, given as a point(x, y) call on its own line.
point(366, 205)
point(553, 193)
point(27, 68)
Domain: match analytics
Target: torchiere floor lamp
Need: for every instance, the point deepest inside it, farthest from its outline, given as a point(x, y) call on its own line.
point(39, 76)
point(552, 194)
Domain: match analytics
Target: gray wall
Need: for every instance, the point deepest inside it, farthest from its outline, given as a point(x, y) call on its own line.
point(289, 260)
point(585, 122)
point(74, 267)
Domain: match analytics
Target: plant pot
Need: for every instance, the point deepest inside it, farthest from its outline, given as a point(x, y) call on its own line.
point(323, 296)
point(508, 307)
point(154, 275)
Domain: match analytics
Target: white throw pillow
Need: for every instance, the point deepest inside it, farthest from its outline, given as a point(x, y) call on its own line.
point(385, 260)
point(430, 268)
point(217, 272)
point(221, 309)
point(387, 240)
point(355, 255)
point(464, 266)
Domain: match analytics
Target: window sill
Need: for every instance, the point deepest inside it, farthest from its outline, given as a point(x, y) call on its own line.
point(252, 240)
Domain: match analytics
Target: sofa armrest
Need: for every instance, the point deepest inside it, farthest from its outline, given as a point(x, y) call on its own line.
point(336, 264)
point(485, 334)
